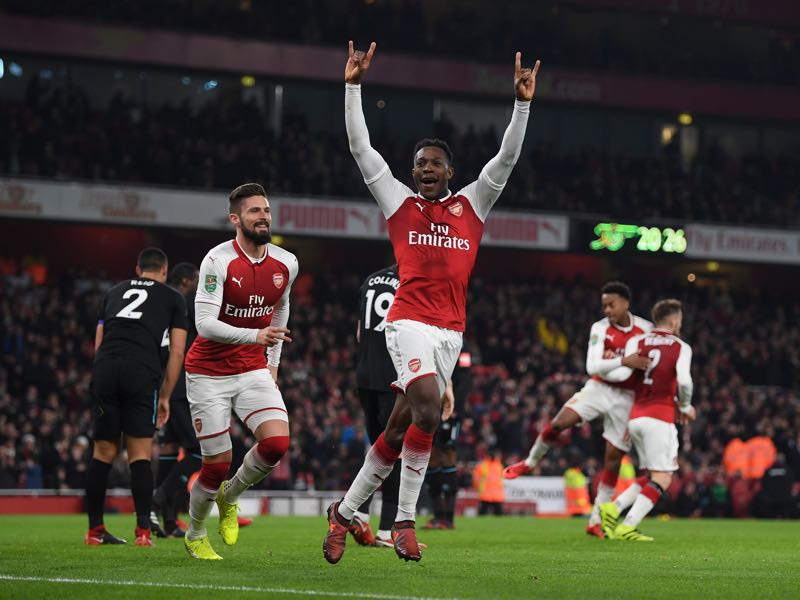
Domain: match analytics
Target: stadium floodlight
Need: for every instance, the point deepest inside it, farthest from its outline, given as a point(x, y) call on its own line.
point(2, 68)
point(685, 118)
point(15, 69)
point(210, 85)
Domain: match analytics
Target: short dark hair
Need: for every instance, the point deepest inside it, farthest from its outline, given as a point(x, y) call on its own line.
point(618, 288)
point(180, 272)
point(666, 308)
point(436, 143)
point(244, 191)
point(151, 259)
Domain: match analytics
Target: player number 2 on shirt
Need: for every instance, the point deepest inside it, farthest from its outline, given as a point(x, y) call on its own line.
point(381, 306)
point(130, 312)
point(655, 357)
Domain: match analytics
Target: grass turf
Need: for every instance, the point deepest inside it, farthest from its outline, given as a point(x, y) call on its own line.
point(510, 557)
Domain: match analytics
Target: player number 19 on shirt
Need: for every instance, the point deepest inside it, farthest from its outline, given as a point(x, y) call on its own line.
point(381, 306)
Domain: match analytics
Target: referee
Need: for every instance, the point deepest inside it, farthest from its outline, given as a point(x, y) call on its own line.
point(173, 475)
point(136, 315)
point(375, 374)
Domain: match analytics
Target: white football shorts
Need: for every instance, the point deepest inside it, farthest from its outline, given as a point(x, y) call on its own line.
point(656, 443)
point(420, 350)
point(597, 399)
point(253, 396)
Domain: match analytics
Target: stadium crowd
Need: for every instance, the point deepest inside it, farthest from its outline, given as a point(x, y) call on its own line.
point(564, 37)
point(528, 342)
point(55, 133)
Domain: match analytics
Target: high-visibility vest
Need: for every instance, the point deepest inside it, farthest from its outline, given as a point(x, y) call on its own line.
point(576, 492)
point(487, 478)
point(761, 454)
point(736, 457)
point(627, 475)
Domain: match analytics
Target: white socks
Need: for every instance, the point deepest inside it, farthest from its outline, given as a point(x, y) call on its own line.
point(604, 494)
point(254, 468)
point(539, 449)
point(200, 502)
point(628, 497)
point(377, 466)
point(639, 510)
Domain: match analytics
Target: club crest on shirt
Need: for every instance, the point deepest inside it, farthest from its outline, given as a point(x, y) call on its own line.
point(277, 279)
point(456, 209)
point(414, 364)
point(198, 425)
point(211, 283)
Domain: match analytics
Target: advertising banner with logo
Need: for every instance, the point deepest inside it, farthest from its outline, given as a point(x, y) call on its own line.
point(546, 492)
point(743, 244)
point(90, 203)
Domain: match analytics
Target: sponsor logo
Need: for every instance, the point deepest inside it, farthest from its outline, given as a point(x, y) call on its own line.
point(211, 283)
point(198, 425)
point(414, 364)
point(593, 340)
point(247, 313)
point(417, 471)
point(420, 207)
point(277, 279)
point(439, 237)
point(238, 281)
point(456, 209)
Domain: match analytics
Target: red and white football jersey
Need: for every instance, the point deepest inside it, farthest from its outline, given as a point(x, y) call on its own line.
point(669, 375)
point(246, 292)
point(604, 337)
point(435, 244)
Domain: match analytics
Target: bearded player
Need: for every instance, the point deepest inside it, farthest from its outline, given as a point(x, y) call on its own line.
point(599, 397)
point(652, 419)
point(435, 234)
point(241, 308)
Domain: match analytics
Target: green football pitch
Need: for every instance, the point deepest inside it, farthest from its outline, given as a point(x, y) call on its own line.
point(512, 557)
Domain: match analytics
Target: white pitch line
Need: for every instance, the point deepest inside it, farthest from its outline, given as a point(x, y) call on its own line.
point(218, 588)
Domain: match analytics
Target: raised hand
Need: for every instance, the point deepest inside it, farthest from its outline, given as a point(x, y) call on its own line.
point(524, 79)
point(357, 63)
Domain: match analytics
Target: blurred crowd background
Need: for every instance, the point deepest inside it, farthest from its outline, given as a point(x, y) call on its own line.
point(528, 343)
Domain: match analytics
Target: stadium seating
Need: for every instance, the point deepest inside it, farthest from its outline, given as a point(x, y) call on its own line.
point(521, 379)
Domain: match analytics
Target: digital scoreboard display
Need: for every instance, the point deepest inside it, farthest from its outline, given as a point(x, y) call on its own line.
point(614, 236)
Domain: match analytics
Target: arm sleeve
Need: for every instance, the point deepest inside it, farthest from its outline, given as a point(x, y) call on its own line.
point(388, 192)
point(280, 315)
point(623, 373)
point(595, 363)
point(495, 174)
point(211, 328)
point(207, 303)
point(684, 372)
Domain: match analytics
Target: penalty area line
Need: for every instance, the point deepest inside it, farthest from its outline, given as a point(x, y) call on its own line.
point(213, 587)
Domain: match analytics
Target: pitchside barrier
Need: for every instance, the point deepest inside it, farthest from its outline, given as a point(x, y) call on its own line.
point(540, 496)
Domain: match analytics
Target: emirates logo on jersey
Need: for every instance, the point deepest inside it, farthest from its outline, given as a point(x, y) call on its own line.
point(456, 209)
point(198, 425)
point(278, 280)
point(414, 364)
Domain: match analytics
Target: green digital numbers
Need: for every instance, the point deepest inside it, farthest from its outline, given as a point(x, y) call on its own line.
point(612, 236)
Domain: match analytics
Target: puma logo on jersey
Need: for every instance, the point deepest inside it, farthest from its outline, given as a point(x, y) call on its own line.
point(417, 471)
point(609, 337)
point(420, 207)
point(238, 281)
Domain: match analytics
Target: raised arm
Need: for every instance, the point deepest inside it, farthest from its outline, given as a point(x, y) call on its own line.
point(495, 174)
point(388, 192)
